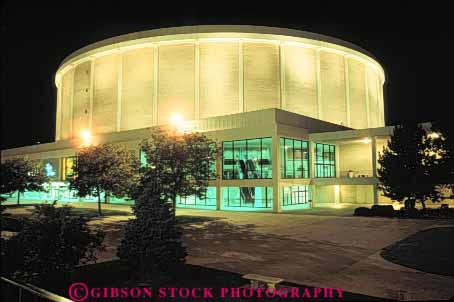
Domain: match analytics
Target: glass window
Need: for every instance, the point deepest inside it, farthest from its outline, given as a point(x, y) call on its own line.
point(228, 161)
point(294, 158)
point(254, 149)
point(208, 200)
point(247, 159)
point(68, 167)
point(325, 160)
point(51, 168)
point(240, 156)
point(265, 161)
point(295, 195)
point(247, 197)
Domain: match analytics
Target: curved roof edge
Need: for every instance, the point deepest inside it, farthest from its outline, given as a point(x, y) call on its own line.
point(207, 29)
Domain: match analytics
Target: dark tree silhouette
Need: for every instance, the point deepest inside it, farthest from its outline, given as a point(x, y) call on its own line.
point(405, 166)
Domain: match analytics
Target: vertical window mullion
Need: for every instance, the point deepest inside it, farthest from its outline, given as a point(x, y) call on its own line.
point(261, 159)
point(293, 159)
point(286, 157)
point(233, 160)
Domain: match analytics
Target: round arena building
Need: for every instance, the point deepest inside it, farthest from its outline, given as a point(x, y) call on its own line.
point(141, 79)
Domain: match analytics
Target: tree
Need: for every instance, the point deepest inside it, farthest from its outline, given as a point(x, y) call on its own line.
point(405, 166)
point(153, 240)
point(179, 163)
point(442, 142)
point(108, 169)
point(52, 243)
point(22, 175)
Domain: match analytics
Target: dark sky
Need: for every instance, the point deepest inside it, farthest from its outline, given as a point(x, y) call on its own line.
point(411, 39)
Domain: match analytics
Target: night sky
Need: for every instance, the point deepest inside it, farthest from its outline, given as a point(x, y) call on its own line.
point(411, 39)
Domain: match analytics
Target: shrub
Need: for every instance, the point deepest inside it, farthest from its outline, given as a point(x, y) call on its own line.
point(363, 211)
point(11, 224)
point(382, 210)
point(50, 245)
point(153, 240)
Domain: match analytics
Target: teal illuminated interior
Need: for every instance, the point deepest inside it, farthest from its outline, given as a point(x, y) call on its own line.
point(247, 159)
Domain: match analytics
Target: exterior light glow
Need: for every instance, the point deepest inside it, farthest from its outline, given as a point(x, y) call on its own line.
point(366, 140)
point(433, 135)
point(86, 137)
point(177, 120)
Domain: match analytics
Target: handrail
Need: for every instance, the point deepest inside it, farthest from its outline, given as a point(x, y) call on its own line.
point(37, 291)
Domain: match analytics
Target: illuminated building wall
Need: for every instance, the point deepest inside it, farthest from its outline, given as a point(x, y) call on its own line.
point(139, 80)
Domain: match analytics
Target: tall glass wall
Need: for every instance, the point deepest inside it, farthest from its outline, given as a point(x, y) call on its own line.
point(247, 159)
point(325, 160)
point(294, 158)
point(247, 197)
point(209, 200)
point(295, 196)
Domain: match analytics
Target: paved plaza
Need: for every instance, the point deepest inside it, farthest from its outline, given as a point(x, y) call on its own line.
point(321, 247)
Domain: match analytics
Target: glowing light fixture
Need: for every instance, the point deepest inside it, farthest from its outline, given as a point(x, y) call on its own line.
point(433, 135)
point(366, 140)
point(86, 137)
point(177, 120)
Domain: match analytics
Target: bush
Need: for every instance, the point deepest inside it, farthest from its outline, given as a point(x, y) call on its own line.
point(376, 210)
point(382, 210)
point(50, 245)
point(363, 211)
point(12, 224)
point(153, 240)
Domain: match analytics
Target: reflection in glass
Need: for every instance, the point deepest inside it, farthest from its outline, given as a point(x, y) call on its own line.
point(294, 158)
point(208, 200)
point(247, 159)
point(249, 197)
point(295, 195)
point(325, 160)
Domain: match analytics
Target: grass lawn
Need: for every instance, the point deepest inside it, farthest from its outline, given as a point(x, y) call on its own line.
point(430, 251)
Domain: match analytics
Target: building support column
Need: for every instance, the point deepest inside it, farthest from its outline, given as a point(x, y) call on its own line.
point(219, 178)
point(337, 194)
point(59, 109)
point(366, 89)
point(155, 83)
point(312, 172)
point(119, 90)
point(240, 77)
point(276, 161)
point(374, 168)
point(197, 79)
point(319, 84)
point(71, 130)
point(314, 195)
point(92, 92)
point(282, 75)
point(347, 90)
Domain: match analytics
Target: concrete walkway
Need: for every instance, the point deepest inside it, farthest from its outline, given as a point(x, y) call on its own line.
point(325, 251)
point(333, 249)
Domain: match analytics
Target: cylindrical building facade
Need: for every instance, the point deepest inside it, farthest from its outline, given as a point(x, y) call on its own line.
point(140, 80)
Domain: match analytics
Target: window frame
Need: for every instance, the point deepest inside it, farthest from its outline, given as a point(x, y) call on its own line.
point(305, 164)
point(326, 161)
point(235, 175)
